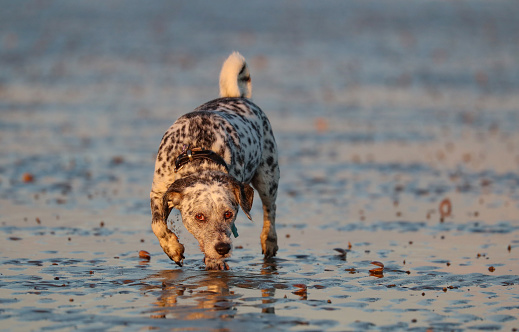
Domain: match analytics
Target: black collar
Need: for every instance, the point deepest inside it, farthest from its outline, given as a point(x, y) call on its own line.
point(198, 153)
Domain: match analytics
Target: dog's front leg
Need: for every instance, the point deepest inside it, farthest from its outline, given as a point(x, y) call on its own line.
point(167, 239)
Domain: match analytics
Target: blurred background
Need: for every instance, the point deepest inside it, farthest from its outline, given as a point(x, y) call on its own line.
point(382, 110)
point(422, 89)
point(87, 88)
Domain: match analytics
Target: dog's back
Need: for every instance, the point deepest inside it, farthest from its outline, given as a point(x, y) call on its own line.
point(232, 126)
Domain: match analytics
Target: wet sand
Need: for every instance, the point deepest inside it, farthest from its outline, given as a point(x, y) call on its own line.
point(397, 127)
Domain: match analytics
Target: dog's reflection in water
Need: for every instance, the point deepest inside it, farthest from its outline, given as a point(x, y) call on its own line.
point(196, 295)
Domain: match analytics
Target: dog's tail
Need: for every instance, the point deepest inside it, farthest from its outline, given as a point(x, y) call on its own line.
point(235, 77)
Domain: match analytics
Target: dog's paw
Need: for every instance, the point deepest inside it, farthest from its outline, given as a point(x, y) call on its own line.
point(175, 251)
point(169, 242)
point(215, 264)
point(269, 246)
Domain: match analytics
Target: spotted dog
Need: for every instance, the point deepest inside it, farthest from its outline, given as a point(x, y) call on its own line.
point(205, 164)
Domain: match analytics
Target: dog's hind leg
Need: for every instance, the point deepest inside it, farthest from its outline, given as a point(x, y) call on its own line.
point(266, 183)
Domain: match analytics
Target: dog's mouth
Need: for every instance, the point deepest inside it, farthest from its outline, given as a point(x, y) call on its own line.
point(215, 264)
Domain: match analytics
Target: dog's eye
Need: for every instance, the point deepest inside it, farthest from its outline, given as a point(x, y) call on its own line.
point(200, 216)
point(227, 215)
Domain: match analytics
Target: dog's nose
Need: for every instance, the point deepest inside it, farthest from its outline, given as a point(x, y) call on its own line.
point(222, 248)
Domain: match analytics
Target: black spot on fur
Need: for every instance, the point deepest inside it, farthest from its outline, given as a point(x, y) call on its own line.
point(271, 239)
point(157, 216)
point(249, 167)
point(273, 189)
point(168, 149)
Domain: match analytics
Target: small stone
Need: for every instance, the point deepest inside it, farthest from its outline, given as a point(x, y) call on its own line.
point(144, 255)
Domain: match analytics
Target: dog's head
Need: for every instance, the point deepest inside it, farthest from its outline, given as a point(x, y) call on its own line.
point(209, 203)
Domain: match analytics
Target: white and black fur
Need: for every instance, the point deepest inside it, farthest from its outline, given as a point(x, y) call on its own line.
point(207, 193)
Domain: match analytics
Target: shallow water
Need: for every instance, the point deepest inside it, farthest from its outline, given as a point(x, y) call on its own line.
point(381, 112)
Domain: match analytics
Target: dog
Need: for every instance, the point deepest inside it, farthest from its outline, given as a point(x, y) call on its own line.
point(206, 163)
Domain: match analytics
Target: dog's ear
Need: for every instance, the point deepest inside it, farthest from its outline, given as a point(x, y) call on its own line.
point(172, 197)
point(245, 195)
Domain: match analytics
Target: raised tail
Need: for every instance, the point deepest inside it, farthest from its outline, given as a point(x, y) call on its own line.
point(235, 77)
